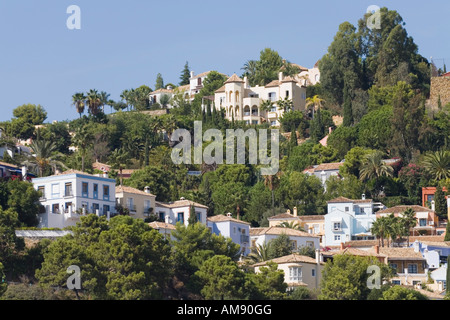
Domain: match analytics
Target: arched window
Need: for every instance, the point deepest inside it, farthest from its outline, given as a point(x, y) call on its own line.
point(230, 100)
point(237, 96)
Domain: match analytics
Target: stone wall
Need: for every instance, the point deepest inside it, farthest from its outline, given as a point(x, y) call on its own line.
point(440, 86)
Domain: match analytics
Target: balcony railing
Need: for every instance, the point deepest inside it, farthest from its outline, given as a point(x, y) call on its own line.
point(245, 238)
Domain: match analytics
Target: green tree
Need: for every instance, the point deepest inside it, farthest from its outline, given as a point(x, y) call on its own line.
point(345, 278)
point(79, 101)
point(3, 283)
point(83, 140)
point(437, 164)
point(119, 159)
point(440, 203)
point(159, 84)
point(26, 117)
point(269, 283)
point(402, 293)
point(185, 75)
point(373, 167)
point(10, 245)
point(280, 246)
point(154, 177)
point(24, 199)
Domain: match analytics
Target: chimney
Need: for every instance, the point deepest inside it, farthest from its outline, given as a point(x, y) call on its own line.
point(318, 256)
point(363, 196)
point(246, 85)
point(295, 212)
point(416, 246)
point(280, 76)
point(433, 206)
point(288, 211)
point(147, 189)
point(192, 74)
point(342, 246)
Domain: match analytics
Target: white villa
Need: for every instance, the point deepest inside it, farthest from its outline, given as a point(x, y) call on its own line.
point(71, 194)
point(243, 103)
point(260, 236)
point(180, 211)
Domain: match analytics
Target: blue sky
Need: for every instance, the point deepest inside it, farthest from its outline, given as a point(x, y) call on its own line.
point(125, 44)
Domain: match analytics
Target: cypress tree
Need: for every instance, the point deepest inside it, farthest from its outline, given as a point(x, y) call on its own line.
point(208, 113)
point(348, 114)
point(440, 203)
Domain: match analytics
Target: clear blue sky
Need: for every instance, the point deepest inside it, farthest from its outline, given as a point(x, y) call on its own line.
point(124, 44)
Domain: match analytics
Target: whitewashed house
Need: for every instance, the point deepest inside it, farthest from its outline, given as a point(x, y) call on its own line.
point(348, 220)
point(71, 194)
point(261, 236)
point(237, 230)
point(180, 211)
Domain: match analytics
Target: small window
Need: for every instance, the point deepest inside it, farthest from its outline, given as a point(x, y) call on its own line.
point(396, 282)
point(347, 209)
point(313, 272)
point(55, 208)
point(41, 189)
point(336, 226)
point(106, 192)
point(84, 189)
point(337, 238)
point(106, 209)
point(295, 274)
point(412, 268)
point(68, 190)
point(287, 93)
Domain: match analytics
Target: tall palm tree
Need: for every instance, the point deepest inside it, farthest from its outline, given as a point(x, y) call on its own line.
point(374, 167)
point(83, 140)
point(93, 101)
point(409, 220)
point(266, 105)
point(438, 164)
point(119, 159)
point(379, 229)
point(285, 104)
point(314, 101)
point(79, 101)
point(272, 182)
point(104, 99)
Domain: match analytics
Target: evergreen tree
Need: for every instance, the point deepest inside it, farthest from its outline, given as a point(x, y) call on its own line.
point(159, 82)
point(192, 215)
point(185, 75)
point(440, 202)
point(348, 114)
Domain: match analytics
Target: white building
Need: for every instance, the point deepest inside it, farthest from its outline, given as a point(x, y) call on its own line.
point(243, 103)
point(261, 236)
point(71, 194)
point(180, 211)
point(348, 220)
point(237, 230)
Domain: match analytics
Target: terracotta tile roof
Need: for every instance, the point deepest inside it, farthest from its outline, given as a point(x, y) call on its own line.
point(401, 209)
point(401, 253)
point(204, 74)
point(427, 238)
point(328, 166)
point(234, 78)
point(300, 67)
point(280, 231)
point(125, 189)
point(361, 243)
point(162, 90)
point(8, 165)
point(282, 216)
point(343, 199)
point(223, 218)
point(274, 83)
point(311, 217)
point(221, 89)
point(289, 79)
point(180, 203)
point(161, 225)
point(352, 251)
point(183, 88)
point(292, 258)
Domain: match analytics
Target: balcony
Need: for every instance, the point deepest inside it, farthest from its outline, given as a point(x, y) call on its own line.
point(244, 238)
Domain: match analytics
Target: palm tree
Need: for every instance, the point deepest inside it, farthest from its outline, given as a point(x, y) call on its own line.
point(379, 229)
point(285, 104)
point(438, 164)
point(315, 101)
point(291, 225)
point(266, 105)
point(44, 155)
point(374, 167)
point(272, 181)
point(79, 101)
point(93, 101)
point(409, 220)
point(119, 159)
point(259, 254)
point(104, 99)
point(83, 140)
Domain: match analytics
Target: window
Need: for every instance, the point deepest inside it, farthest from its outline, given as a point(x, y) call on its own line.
point(130, 204)
point(316, 228)
point(313, 273)
point(85, 189)
point(422, 222)
point(67, 205)
point(337, 238)
point(394, 266)
point(347, 209)
point(180, 217)
point(68, 190)
point(293, 245)
point(273, 123)
point(95, 191)
point(336, 226)
point(272, 96)
point(41, 189)
point(105, 192)
point(310, 244)
point(95, 207)
point(199, 216)
point(106, 209)
point(273, 109)
point(55, 208)
point(396, 282)
point(295, 274)
point(199, 81)
point(412, 268)
point(162, 216)
point(147, 205)
point(55, 190)
point(84, 206)
point(287, 93)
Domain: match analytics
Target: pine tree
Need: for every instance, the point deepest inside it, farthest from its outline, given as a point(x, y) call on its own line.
point(185, 75)
point(348, 114)
point(159, 82)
